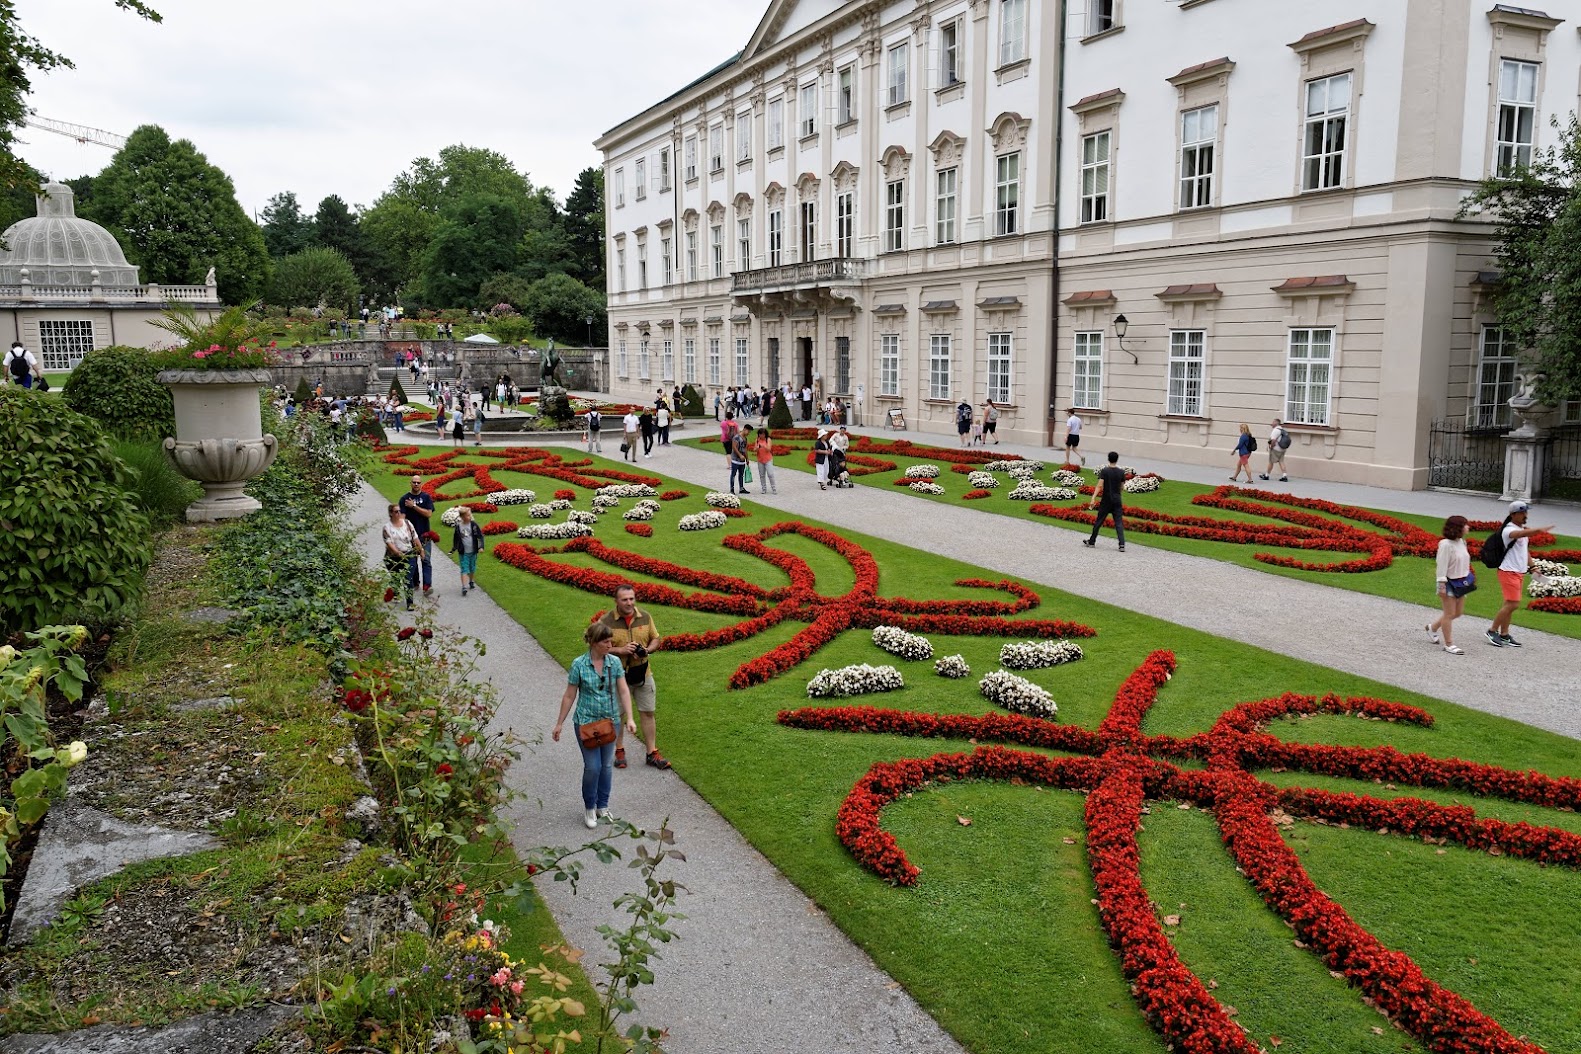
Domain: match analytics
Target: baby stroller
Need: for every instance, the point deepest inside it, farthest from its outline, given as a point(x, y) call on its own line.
point(838, 476)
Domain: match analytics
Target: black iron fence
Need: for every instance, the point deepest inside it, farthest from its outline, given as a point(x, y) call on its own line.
point(1461, 457)
point(1562, 465)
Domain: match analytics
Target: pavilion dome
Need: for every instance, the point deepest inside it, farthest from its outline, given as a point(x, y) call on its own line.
point(59, 249)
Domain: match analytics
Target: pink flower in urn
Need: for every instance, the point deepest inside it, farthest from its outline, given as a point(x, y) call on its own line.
point(502, 978)
point(516, 987)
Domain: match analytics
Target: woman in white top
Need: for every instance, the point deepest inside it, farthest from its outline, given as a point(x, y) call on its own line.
point(1454, 566)
point(402, 547)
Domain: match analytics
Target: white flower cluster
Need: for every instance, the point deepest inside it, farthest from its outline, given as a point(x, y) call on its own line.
point(1032, 490)
point(451, 517)
point(1037, 654)
point(982, 480)
point(605, 501)
point(855, 680)
point(560, 504)
point(1549, 568)
point(540, 511)
point(582, 516)
point(554, 531)
point(1552, 581)
point(897, 641)
point(1017, 694)
point(923, 472)
point(702, 521)
point(922, 486)
point(513, 497)
point(722, 501)
point(643, 510)
point(628, 490)
point(1140, 485)
point(1066, 478)
point(1020, 469)
point(953, 667)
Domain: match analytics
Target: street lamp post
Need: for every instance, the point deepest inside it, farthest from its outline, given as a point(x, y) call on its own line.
point(589, 321)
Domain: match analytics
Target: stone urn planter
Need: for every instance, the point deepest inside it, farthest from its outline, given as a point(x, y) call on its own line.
point(219, 439)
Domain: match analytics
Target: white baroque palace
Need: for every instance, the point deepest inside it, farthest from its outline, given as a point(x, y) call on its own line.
point(911, 203)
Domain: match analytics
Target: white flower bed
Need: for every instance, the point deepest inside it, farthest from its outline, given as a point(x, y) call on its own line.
point(642, 512)
point(560, 505)
point(722, 501)
point(897, 641)
point(855, 680)
point(627, 490)
point(1021, 468)
point(539, 511)
point(922, 486)
point(1562, 586)
point(1032, 490)
point(1140, 485)
point(702, 521)
point(1066, 478)
point(1017, 694)
point(554, 531)
point(923, 472)
point(582, 516)
point(1547, 568)
point(513, 497)
point(982, 480)
point(953, 667)
point(605, 501)
point(1038, 654)
point(451, 517)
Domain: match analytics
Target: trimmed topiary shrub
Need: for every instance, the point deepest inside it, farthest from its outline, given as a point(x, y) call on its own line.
point(304, 392)
point(780, 416)
point(116, 387)
point(398, 392)
point(74, 545)
point(691, 402)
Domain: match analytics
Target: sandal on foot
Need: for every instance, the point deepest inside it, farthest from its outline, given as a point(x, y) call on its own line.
point(1453, 650)
point(620, 757)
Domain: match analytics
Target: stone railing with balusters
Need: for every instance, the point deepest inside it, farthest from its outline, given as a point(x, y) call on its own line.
point(153, 295)
point(811, 273)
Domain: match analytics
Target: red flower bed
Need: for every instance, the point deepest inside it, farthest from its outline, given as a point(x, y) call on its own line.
point(1557, 605)
point(674, 495)
point(530, 460)
point(566, 495)
point(734, 514)
point(978, 495)
point(641, 530)
point(501, 527)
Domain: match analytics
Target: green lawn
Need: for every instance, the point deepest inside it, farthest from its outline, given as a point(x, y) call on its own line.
point(1001, 941)
point(1409, 578)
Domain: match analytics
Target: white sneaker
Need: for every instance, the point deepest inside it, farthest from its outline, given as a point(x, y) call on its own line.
point(590, 818)
point(606, 815)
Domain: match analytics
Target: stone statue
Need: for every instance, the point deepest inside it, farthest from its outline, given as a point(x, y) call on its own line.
point(208, 279)
point(549, 368)
point(1534, 415)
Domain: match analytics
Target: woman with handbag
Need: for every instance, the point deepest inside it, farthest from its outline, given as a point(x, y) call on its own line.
point(1455, 580)
point(596, 686)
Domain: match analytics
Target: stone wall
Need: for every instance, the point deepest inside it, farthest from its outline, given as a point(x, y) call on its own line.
point(348, 367)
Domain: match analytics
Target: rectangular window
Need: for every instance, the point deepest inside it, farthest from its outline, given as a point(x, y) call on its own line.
point(1007, 194)
point(776, 131)
point(689, 360)
point(842, 364)
point(691, 256)
point(644, 372)
point(716, 148)
point(1095, 178)
point(620, 188)
point(1308, 371)
point(895, 216)
point(1012, 31)
point(1101, 16)
point(939, 366)
point(1517, 115)
point(944, 206)
point(897, 75)
point(809, 231)
point(950, 54)
point(666, 247)
point(999, 367)
point(620, 270)
point(63, 342)
point(667, 361)
point(1323, 144)
point(664, 170)
point(691, 158)
point(713, 361)
point(1199, 135)
point(807, 109)
point(1186, 359)
point(741, 361)
point(889, 364)
point(776, 237)
point(1496, 364)
point(640, 178)
point(716, 246)
point(642, 267)
point(744, 136)
point(774, 359)
point(846, 88)
point(845, 223)
point(743, 244)
point(1087, 369)
point(622, 363)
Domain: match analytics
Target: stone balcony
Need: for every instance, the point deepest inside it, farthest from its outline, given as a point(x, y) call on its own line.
point(812, 285)
point(151, 295)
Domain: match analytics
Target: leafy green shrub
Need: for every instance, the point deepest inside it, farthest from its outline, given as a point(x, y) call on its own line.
point(691, 402)
point(161, 493)
point(780, 416)
point(116, 386)
point(397, 392)
point(304, 392)
point(74, 545)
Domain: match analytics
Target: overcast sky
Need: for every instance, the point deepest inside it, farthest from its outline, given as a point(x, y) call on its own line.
point(338, 96)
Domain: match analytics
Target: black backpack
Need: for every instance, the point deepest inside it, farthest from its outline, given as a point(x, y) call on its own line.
point(963, 413)
point(1493, 549)
point(1284, 439)
point(1252, 449)
point(18, 363)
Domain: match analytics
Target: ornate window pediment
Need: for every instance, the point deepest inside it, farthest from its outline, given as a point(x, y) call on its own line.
point(716, 212)
point(807, 186)
point(1009, 132)
point(689, 219)
point(845, 176)
point(948, 149)
point(896, 163)
point(773, 196)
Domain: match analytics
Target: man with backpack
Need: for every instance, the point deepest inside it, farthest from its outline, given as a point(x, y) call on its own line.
point(20, 365)
point(1278, 443)
point(595, 422)
point(963, 419)
point(1506, 550)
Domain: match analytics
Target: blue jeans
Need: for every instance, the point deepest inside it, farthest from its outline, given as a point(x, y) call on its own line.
point(598, 772)
point(738, 471)
point(427, 563)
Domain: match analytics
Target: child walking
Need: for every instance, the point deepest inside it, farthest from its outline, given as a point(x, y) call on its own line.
point(468, 541)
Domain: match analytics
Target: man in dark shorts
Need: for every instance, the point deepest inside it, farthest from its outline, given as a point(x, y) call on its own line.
point(1108, 497)
point(1073, 439)
point(963, 419)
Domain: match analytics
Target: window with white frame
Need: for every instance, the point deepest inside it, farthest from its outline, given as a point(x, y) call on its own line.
point(1101, 16)
point(644, 371)
point(620, 188)
point(809, 231)
point(716, 148)
point(999, 367)
point(667, 361)
point(716, 247)
point(640, 177)
point(622, 363)
point(691, 256)
point(776, 132)
point(897, 75)
point(1309, 371)
point(1199, 137)
point(1012, 31)
point(1007, 194)
point(1087, 370)
point(62, 343)
point(807, 109)
point(944, 181)
point(950, 54)
point(1187, 359)
point(689, 360)
point(1323, 139)
point(1095, 178)
point(774, 358)
point(744, 136)
point(664, 169)
point(776, 237)
point(845, 223)
point(743, 244)
point(1517, 115)
point(642, 266)
point(713, 361)
point(845, 91)
point(666, 249)
point(1496, 363)
point(691, 158)
point(939, 366)
point(895, 216)
point(742, 377)
point(842, 364)
point(889, 364)
point(620, 269)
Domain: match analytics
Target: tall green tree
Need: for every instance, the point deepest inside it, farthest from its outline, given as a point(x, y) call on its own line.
point(285, 229)
point(558, 306)
point(178, 216)
point(476, 237)
point(398, 231)
point(315, 277)
point(1536, 212)
point(460, 171)
point(18, 202)
point(584, 227)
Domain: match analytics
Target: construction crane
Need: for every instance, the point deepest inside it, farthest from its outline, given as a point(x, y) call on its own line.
point(80, 132)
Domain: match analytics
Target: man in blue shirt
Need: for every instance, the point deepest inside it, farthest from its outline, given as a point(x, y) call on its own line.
point(418, 505)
